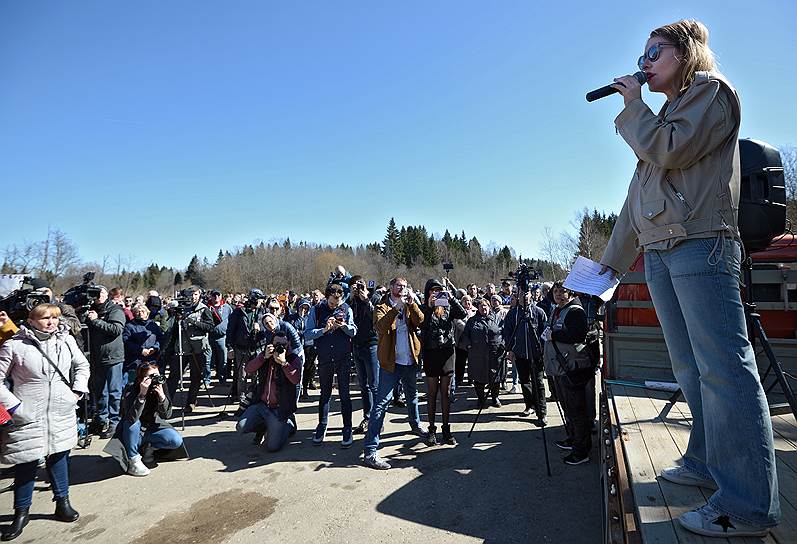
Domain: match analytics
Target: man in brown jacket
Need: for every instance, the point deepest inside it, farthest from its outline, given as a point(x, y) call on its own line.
point(396, 318)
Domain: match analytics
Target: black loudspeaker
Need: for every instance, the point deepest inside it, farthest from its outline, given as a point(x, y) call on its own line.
point(762, 195)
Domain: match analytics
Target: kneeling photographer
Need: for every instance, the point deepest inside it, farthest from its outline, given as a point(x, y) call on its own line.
point(278, 370)
point(143, 430)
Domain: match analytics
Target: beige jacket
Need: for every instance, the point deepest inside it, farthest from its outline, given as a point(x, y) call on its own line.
point(385, 324)
point(686, 183)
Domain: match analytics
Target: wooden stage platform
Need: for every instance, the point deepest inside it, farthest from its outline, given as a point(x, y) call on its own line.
point(645, 433)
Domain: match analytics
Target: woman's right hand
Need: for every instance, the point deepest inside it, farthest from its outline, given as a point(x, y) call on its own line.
point(604, 269)
point(143, 387)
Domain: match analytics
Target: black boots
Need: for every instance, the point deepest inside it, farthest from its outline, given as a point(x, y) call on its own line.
point(431, 437)
point(17, 524)
point(64, 510)
point(448, 438)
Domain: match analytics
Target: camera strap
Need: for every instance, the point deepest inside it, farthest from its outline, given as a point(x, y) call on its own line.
point(67, 382)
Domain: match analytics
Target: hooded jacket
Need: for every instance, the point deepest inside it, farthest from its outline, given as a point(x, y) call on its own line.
point(44, 421)
point(686, 183)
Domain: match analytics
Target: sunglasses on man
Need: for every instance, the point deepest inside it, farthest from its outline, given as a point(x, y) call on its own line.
point(652, 54)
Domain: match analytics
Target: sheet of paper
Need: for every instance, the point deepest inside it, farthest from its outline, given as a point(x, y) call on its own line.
point(584, 278)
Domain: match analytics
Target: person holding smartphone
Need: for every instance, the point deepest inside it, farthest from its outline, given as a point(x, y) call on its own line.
point(440, 310)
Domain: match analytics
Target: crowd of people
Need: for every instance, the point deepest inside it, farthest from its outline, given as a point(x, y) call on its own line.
point(269, 351)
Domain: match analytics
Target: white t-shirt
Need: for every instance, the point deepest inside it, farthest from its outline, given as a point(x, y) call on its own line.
point(403, 350)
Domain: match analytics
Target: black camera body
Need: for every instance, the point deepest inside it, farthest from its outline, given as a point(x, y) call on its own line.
point(18, 304)
point(282, 347)
point(523, 276)
point(157, 379)
point(81, 297)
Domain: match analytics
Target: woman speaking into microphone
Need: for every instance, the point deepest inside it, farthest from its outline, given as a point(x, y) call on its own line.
point(681, 210)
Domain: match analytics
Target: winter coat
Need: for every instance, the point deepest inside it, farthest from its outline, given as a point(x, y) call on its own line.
point(221, 317)
point(522, 336)
point(240, 333)
point(485, 343)
point(364, 320)
point(569, 332)
point(44, 421)
point(105, 334)
point(686, 183)
point(139, 335)
point(437, 332)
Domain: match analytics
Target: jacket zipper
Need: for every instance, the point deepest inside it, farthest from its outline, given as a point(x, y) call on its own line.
point(679, 195)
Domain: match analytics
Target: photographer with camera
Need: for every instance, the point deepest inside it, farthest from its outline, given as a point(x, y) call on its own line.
point(568, 361)
point(241, 339)
point(330, 325)
point(523, 326)
point(39, 360)
point(106, 322)
point(278, 369)
point(483, 337)
point(396, 318)
point(440, 310)
point(196, 321)
point(143, 429)
point(364, 346)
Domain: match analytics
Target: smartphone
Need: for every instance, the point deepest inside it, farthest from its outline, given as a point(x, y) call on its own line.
point(441, 301)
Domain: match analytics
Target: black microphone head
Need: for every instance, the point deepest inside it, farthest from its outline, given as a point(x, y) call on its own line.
point(642, 77)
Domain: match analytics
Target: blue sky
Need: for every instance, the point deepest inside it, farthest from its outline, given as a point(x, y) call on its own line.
point(164, 129)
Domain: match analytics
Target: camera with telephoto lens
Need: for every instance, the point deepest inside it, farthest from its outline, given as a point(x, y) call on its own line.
point(18, 304)
point(523, 276)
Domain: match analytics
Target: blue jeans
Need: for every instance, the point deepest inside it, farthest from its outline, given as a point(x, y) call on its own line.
point(326, 370)
point(367, 366)
point(159, 438)
point(25, 476)
point(695, 290)
point(106, 388)
point(260, 418)
point(387, 381)
point(218, 349)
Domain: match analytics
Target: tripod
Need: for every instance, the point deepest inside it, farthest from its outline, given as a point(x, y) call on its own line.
point(197, 368)
point(754, 328)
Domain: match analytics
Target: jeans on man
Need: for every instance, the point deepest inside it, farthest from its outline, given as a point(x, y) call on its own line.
point(532, 384)
point(241, 356)
point(404, 374)
point(326, 371)
point(106, 389)
point(367, 366)
point(159, 438)
point(309, 368)
point(260, 418)
point(695, 290)
point(25, 476)
point(218, 349)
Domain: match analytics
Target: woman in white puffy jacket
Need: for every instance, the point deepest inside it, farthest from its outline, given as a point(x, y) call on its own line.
point(48, 374)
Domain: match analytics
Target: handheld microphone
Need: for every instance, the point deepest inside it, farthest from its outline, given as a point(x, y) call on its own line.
point(608, 89)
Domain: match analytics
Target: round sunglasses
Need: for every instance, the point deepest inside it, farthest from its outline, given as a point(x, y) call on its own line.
point(652, 54)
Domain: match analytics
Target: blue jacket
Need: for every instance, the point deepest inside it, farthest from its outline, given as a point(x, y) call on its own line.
point(264, 337)
point(138, 335)
point(223, 312)
point(332, 345)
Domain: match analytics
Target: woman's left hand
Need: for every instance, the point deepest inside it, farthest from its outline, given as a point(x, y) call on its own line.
point(629, 87)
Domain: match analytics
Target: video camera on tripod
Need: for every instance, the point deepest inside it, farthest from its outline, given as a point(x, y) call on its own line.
point(82, 297)
point(182, 306)
point(523, 276)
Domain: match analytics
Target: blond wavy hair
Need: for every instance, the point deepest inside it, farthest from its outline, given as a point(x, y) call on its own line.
point(691, 40)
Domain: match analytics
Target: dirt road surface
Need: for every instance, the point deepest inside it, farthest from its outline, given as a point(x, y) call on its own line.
point(492, 487)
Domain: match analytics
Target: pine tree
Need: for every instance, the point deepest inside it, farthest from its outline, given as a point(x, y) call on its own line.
point(390, 245)
point(178, 279)
point(220, 257)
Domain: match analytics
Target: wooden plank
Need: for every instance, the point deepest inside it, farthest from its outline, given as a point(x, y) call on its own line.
point(632, 535)
point(664, 452)
point(656, 524)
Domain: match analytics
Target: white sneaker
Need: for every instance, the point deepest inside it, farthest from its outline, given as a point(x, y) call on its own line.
point(684, 476)
point(135, 467)
point(707, 521)
point(515, 389)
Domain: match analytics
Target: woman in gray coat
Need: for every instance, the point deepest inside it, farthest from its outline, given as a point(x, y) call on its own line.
point(38, 361)
point(484, 340)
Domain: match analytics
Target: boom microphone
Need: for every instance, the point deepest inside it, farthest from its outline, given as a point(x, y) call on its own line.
point(608, 89)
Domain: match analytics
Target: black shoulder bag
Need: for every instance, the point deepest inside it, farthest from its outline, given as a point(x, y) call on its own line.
point(576, 378)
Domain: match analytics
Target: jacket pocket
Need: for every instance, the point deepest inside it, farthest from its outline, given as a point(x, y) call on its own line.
point(653, 208)
point(679, 195)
